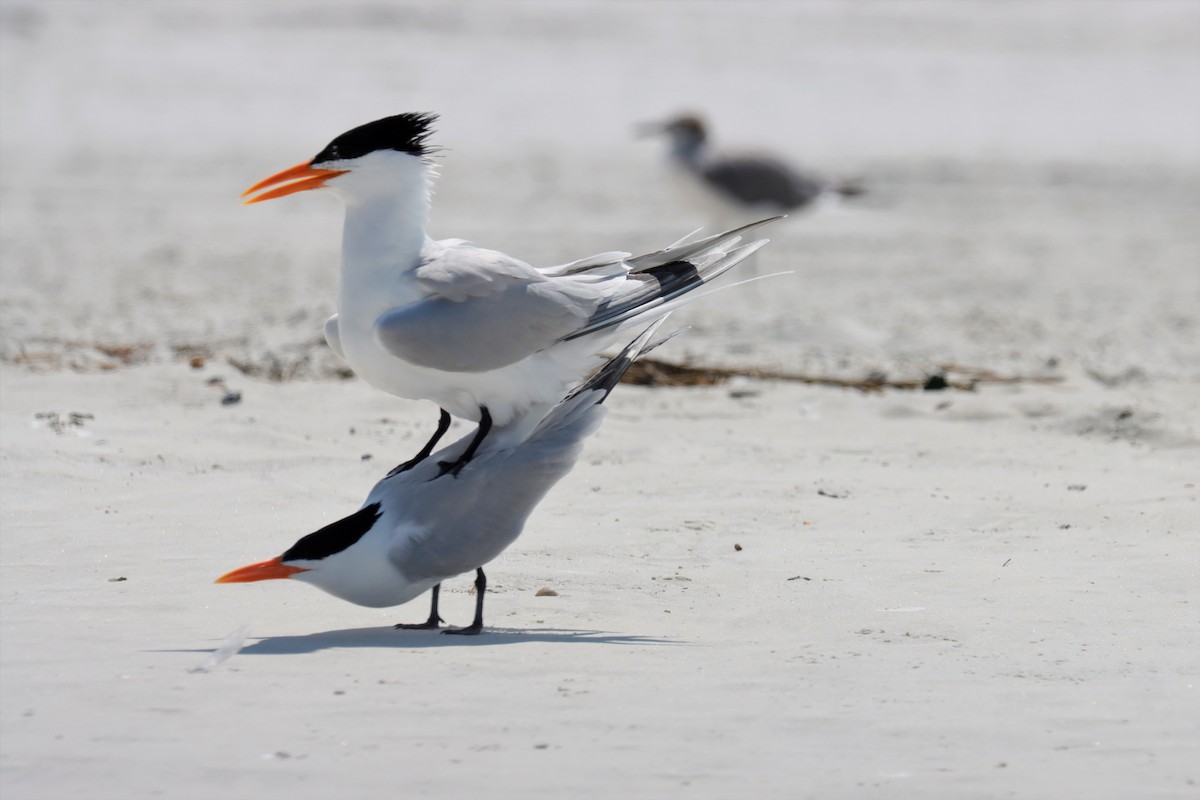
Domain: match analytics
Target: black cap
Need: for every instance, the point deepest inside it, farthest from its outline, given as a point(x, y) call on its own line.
point(405, 133)
point(336, 537)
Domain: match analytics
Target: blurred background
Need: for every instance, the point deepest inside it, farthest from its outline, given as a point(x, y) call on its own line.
point(1031, 168)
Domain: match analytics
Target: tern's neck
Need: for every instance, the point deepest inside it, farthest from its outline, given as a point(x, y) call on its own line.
point(387, 208)
point(385, 231)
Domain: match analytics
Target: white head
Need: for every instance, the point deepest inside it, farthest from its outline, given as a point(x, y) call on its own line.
point(349, 559)
point(367, 161)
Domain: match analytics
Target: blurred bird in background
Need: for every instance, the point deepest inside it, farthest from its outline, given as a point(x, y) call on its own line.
point(737, 185)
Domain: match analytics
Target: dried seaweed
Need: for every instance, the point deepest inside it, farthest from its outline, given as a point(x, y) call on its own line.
point(656, 373)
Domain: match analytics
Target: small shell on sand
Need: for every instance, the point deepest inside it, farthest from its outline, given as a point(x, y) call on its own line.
point(545, 591)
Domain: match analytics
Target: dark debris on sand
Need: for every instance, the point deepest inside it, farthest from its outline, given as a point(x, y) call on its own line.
point(653, 372)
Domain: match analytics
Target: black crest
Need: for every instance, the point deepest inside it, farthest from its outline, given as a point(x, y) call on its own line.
point(334, 538)
point(404, 132)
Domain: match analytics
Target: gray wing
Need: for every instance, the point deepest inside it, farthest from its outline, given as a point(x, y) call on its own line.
point(457, 270)
point(762, 179)
point(485, 333)
point(469, 520)
point(484, 310)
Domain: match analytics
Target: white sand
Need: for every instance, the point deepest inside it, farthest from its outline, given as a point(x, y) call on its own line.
point(939, 594)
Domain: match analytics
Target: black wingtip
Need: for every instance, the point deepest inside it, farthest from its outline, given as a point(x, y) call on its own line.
point(405, 133)
point(608, 376)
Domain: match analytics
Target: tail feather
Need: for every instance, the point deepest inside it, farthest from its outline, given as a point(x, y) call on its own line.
point(608, 376)
point(683, 250)
point(733, 258)
point(603, 381)
point(668, 274)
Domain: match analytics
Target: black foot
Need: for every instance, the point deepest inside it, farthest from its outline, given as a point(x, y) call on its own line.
point(450, 467)
point(456, 466)
point(443, 426)
point(430, 624)
point(476, 626)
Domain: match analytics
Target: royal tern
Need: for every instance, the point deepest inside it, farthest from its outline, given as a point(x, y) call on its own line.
point(741, 184)
point(482, 334)
point(420, 527)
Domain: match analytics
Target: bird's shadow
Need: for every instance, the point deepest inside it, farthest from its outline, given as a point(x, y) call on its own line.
point(389, 637)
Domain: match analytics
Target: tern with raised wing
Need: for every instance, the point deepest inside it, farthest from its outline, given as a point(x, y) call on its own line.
point(482, 334)
point(422, 526)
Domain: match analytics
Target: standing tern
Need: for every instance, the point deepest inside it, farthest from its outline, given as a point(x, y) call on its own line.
point(482, 334)
point(742, 184)
point(420, 527)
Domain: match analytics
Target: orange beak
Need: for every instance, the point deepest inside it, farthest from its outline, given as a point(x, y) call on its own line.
point(262, 571)
point(302, 177)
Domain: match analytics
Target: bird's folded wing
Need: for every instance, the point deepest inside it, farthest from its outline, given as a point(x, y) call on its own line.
point(456, 271)
point(482, 333)
point(464, 522)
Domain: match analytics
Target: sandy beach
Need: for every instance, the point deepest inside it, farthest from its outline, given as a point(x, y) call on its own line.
point(766, 587)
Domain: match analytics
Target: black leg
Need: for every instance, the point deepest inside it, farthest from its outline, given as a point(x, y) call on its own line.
point(476, 627)
point(455, 467)
point(429, 624)
point(443, 426)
